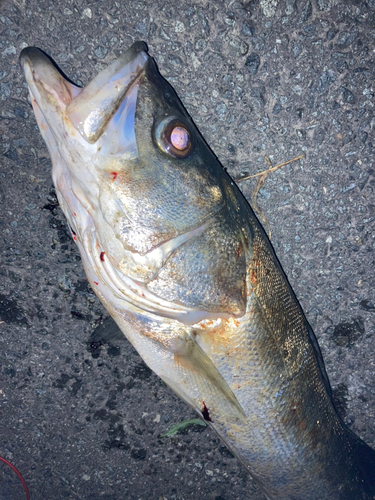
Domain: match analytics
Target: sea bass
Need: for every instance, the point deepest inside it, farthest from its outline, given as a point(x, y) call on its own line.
point(176, 255)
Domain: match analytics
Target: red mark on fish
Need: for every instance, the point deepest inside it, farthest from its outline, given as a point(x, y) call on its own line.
point(205, 413)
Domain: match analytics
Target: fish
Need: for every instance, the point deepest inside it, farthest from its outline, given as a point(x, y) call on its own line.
point(178, 258)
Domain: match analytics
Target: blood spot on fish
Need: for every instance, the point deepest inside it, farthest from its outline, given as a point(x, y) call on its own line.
point(75, 215)
point(102, 256)
point(96, 283)
point(114, 175)
point(205, 413)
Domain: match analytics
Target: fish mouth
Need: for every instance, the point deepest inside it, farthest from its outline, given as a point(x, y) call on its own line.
point(90, 109)
point(85, 129)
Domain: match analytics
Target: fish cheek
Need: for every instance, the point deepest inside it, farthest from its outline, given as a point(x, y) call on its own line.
point(208, 272)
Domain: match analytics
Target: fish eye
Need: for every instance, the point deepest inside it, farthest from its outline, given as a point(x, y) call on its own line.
point(174, 137)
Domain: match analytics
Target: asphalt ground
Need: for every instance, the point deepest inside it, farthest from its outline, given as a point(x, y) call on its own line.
point(81, 416)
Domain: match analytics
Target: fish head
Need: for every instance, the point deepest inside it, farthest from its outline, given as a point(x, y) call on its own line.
point(133, 176)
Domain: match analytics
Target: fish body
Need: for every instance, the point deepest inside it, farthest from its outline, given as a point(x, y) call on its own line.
point(176, 255)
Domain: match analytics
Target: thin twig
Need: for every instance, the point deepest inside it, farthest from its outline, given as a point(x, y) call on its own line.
point(254, 202)
point(262, 179)
point(271, 169)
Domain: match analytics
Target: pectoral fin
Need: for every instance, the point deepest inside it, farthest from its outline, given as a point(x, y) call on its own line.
point(203, 381)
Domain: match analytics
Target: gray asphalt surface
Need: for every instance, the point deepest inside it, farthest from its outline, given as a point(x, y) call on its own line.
point(81, 415)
